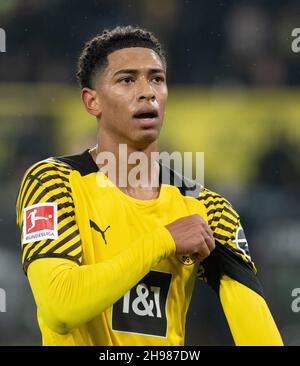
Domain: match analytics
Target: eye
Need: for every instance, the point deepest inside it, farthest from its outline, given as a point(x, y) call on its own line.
point(158, 79)
point(127, 80)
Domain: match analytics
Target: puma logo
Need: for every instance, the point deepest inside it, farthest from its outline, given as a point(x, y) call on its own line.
point(93, 225)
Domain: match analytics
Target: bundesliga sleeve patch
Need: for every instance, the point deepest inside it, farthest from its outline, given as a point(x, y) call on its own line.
point(40, 222)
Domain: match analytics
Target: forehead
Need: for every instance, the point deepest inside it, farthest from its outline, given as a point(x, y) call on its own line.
point(133, 58)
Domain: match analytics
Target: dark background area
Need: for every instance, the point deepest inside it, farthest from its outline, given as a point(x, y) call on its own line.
point(216, 42)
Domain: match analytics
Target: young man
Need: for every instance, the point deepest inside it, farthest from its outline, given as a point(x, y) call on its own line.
point(113, 264)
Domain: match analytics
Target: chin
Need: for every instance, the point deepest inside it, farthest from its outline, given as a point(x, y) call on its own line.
point(146, 137)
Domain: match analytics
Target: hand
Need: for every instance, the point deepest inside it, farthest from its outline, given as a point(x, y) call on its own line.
point(192, 236)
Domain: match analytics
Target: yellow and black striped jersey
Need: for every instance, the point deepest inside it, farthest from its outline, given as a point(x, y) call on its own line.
point(66, 210)
point(48, 182)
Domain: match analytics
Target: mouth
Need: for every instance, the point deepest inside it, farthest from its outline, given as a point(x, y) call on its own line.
point(146, 118)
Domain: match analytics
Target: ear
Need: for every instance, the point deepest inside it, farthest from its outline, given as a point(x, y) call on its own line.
point(91, 102)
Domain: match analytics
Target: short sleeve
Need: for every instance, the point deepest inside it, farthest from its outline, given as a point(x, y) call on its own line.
point(46, 214)
point(231, 255)
point(225, 223)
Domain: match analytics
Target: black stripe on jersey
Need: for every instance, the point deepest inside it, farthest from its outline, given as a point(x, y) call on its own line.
point(60, 167)
point(31, 176)
point(46, 190)
point(52, 198)
point(55, 186)
point(208, 195)
point(223, 227)
point(220, 202)
point(222, 217)
point(75, 258)
point(66, 227)
point(48, 241)
point(72, 247)
point(213, 211)
point(231, 212)
point(31, 249)
point(29, 173)
point(65, 215)
point(62, 242)
point(222, 237)
point(38, 185)
point(83, 163)
point(223, 261)
point(223, 210)
point(237, 251)
point(55, 176)
point(66, 204)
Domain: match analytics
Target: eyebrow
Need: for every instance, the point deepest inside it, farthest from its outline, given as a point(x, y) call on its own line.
point(135, 71)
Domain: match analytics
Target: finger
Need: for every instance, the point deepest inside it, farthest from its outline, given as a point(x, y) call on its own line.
point(204, 251)
point(210, 242)
point(198, 257)
point(209, 231)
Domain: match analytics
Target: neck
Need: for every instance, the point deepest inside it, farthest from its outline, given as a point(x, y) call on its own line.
point(130, 173)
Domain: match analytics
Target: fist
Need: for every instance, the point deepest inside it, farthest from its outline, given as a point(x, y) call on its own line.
point(192, 236)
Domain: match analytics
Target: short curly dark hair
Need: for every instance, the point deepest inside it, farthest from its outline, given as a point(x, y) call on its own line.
point(94, 54)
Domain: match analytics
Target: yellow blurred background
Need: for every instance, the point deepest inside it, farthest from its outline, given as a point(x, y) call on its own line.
point(233, 127)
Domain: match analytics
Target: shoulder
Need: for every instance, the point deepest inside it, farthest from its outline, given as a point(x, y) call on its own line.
point(225, 223)
point(50, 167)
point(218, 206)
point(43, 180)
point(62, 166)
point(211, 197)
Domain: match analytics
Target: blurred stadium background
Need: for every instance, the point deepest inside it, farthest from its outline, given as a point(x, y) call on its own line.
point(234, 94)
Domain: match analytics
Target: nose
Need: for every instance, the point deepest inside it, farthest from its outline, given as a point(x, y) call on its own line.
point(145, 91)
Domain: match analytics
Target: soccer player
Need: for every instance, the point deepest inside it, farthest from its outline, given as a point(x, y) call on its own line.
point(113, 264)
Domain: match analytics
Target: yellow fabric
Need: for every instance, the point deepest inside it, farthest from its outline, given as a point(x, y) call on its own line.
point(123, 286)
point(225, 223)
point(68, 295)
point(248, 315)
point(136, 242)
point(49, 181)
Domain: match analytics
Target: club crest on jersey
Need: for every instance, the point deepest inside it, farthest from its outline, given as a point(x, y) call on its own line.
point(40, 222)
point(185, 259)
point(241, 242)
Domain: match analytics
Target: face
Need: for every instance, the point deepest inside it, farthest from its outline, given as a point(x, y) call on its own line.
point(131, 94)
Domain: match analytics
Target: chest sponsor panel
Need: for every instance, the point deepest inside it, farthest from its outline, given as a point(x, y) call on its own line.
point(142, 309)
